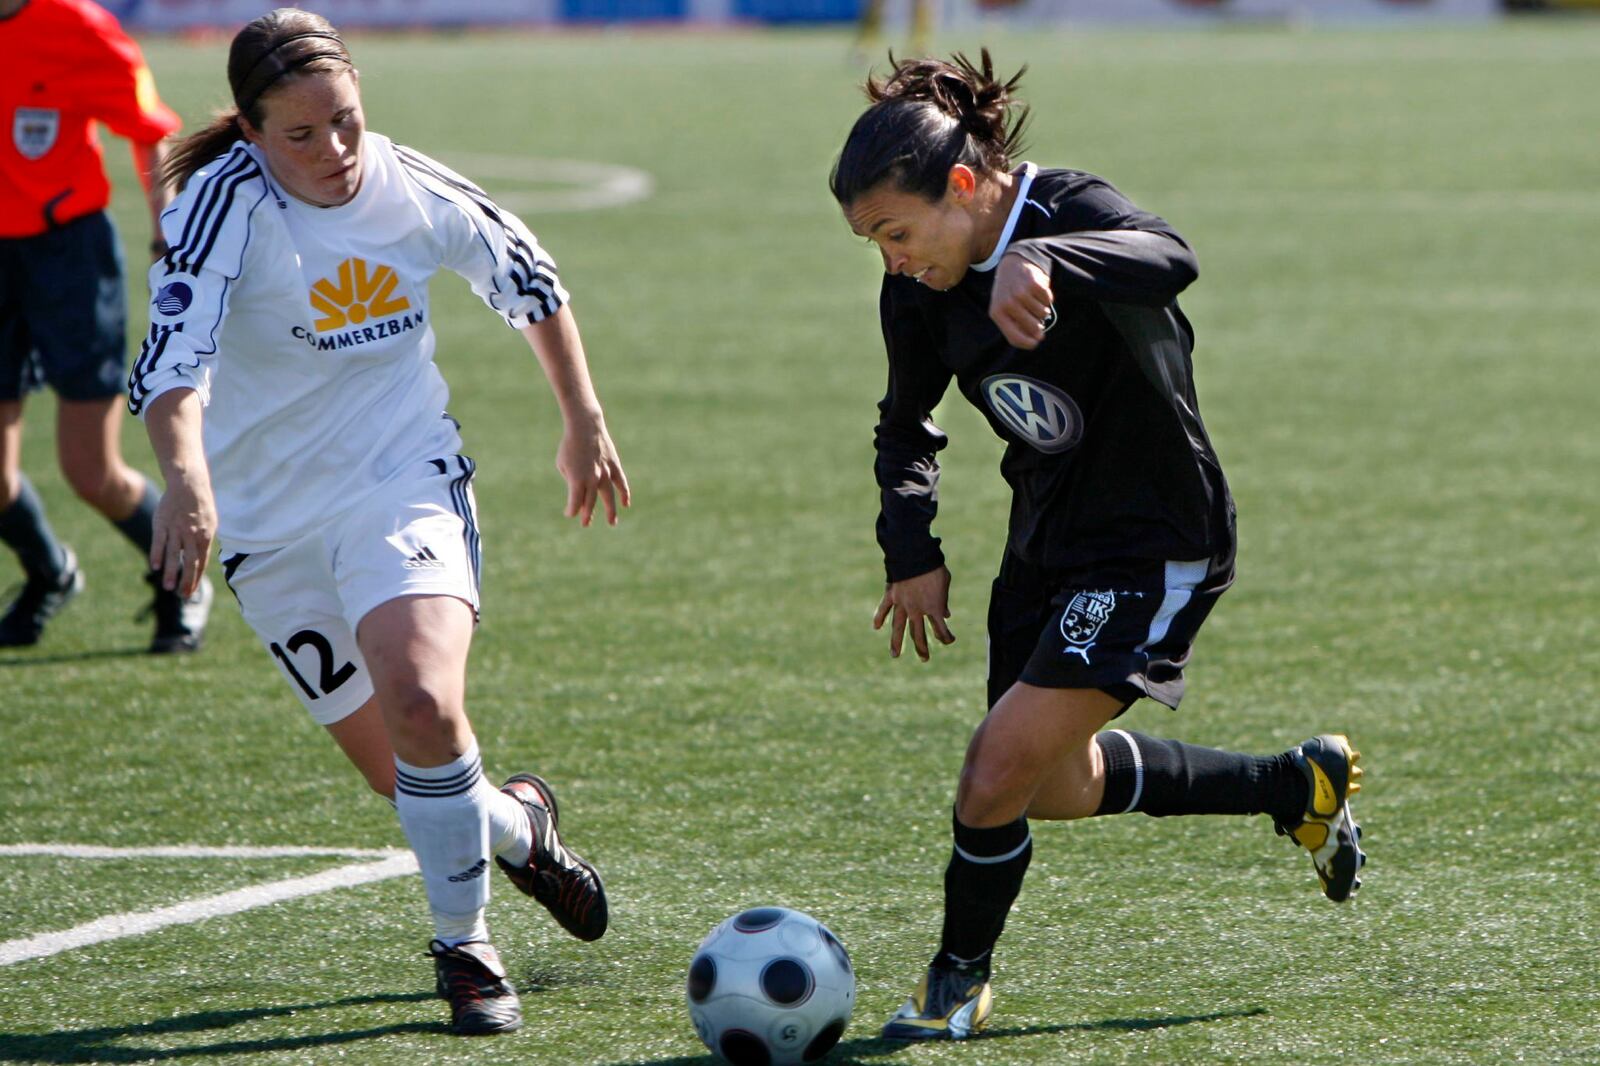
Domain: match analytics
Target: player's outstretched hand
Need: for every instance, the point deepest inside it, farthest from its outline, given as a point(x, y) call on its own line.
point(588, 461)
point(1020, 301)
point(920, 601)
point(185, 524)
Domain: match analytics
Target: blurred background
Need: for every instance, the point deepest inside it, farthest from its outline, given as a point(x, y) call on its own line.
point(190, 14)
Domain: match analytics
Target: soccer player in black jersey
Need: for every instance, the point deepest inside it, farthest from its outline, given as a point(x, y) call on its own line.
point(1052, 302)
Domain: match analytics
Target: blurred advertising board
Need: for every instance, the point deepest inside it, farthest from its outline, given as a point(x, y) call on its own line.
point(228, 14)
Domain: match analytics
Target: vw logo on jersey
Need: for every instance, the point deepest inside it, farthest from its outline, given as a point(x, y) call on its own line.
point(1040, 414)
point(173, 298)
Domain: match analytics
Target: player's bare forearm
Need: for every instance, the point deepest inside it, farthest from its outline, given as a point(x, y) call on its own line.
point(587, 459)
point(186, 518)
point(173, 422)
point(556, 342)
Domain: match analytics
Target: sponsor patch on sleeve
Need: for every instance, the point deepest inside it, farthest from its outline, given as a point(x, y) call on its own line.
point(173, 299)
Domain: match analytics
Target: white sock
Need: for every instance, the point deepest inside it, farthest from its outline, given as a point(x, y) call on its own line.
point(510, 834)
point(444, 811)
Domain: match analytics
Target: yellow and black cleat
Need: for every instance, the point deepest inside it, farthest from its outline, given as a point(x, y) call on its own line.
point(1328, 829)
point(949, 1004)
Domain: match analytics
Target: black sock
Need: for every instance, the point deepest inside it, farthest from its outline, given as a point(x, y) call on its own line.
point(24, 528)
point(1167, 777)
point(139, 527)
point(980, 884)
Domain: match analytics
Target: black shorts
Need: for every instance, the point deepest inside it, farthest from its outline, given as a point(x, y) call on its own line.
point(63, 312)
point(1125, 628)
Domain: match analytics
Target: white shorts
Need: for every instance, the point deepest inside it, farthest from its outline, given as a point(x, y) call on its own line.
point(416, 535)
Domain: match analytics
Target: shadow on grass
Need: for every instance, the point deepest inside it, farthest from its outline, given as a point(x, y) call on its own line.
point(863, 1050)
point(102, 1045)
point(74, 657)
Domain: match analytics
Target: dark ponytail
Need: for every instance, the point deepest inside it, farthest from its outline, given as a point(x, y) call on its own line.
point(276, 47)
point(200, 148)
point(927, 116)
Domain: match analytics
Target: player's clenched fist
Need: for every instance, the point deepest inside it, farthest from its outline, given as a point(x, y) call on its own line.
point(1020, 303)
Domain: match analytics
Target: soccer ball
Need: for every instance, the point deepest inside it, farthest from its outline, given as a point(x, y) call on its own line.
point(771, 987)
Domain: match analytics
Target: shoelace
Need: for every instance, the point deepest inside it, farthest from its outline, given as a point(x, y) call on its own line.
point(464, 972)
point(952, 988)
point(475, 985)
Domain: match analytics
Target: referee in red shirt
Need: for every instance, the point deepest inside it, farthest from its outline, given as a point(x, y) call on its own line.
point(62, 302)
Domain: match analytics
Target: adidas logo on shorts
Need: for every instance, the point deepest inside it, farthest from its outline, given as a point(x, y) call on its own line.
point(424, 559)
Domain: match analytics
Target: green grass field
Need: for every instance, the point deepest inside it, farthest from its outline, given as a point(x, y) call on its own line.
point(1397, 319)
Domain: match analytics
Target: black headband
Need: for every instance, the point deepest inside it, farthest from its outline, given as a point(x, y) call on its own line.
point(246, 102)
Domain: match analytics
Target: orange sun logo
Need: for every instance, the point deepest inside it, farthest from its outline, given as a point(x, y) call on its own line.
point(359, 295)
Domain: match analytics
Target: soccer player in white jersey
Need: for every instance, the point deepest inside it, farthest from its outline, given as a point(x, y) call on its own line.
point(289, 390)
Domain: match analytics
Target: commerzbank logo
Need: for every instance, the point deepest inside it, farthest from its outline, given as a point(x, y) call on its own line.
point(361, 292)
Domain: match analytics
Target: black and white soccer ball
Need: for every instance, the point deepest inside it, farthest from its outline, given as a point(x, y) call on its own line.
point(770, 987)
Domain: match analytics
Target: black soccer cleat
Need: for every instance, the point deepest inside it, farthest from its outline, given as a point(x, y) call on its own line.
point(37, 601)
point(1328, 829)
point(471, 978)
point(556, 876)
point(950, 1003)
point(180, 623)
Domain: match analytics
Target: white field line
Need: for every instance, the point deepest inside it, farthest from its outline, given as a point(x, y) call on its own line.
point(567, 184)
point(191, 851)
point(115, 926)
point(1403, 201)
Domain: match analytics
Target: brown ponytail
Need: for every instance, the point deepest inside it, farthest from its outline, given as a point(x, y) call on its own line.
point(926, 116)
point(275, 48)
point(200, 148)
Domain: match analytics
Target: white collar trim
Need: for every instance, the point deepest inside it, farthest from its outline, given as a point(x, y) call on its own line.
point(1028, 171)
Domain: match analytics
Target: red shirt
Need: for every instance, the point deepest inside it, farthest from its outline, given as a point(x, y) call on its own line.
point(66, 64)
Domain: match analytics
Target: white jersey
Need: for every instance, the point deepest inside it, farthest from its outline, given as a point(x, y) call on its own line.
point(306, 331)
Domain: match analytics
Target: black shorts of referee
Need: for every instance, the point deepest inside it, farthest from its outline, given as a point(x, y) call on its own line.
point(63, 312)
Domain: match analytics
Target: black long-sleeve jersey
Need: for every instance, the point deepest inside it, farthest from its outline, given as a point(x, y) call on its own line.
point(1106, 455)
